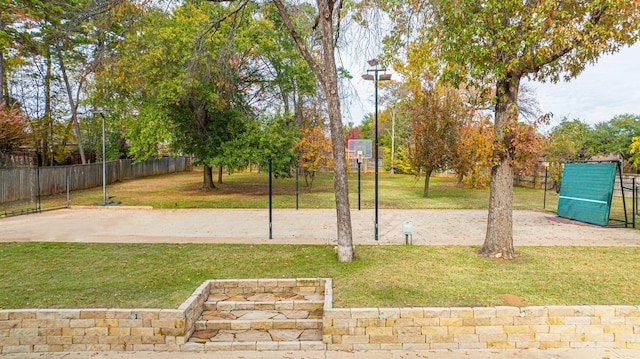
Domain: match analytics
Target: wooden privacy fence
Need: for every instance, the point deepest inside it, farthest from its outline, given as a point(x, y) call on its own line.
point(19, 184)
point(535, 180)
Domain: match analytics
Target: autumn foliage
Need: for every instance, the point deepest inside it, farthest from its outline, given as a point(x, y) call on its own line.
point(14, 128)
point(474, 151)
point(522, 142)
point(434, 130)
point(314, 148)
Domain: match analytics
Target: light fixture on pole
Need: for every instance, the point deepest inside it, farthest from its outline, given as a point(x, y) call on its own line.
point(104, 164)
point(376, 77)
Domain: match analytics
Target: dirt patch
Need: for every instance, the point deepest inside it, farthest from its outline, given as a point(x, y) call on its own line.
point(569, 221)
point(513, 300)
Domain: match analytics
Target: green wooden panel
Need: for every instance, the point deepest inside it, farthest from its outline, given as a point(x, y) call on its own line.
point(585, 194)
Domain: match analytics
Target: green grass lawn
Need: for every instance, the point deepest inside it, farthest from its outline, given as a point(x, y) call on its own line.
point(250, 190)
point(158, 275)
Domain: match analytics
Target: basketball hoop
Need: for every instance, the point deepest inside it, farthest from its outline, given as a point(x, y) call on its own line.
point(359, 149)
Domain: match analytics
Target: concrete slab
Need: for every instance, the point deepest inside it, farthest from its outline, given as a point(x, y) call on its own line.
point(309, 226)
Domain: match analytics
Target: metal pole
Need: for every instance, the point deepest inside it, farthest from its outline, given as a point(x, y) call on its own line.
point(36, 183)
point(297, 170)
point(38, 203)
point(376, 78)
point(546, 175)
point(393, 137)
point(624, 202)
point(376, 157)
point(104, 164)
point(68, 192)
point(636, 189)
point(358, 160)
point(634, 201)
point(270, 200)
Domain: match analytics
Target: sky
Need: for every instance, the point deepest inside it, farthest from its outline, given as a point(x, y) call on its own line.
point(603, 90)
point(608, 88)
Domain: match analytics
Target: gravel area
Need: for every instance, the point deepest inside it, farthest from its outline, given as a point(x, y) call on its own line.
point(309, 226)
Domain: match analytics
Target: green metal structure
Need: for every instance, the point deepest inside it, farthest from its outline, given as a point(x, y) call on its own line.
point(586, 192)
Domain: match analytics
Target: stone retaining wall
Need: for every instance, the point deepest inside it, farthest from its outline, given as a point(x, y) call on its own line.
point(56, 330)
point(66, 330)
point(480, 328)
point(238, 286)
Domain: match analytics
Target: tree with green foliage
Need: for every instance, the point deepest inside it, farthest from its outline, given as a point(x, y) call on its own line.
point(69, 33)
point(634, 151)
point(272, 137)
point(569, 141)
point(616, 135)
point(286, 75)
point(207, 79)
point(57, 48)
point(179, 79)
point(494, 44)
point(394, 127)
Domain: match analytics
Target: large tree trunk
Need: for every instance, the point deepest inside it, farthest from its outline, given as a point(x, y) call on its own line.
point(340, 180)
point(327, 74)
point(498, 242)
point(207, 182)
point(1, 68)
point(425, 194)
point(47, 103)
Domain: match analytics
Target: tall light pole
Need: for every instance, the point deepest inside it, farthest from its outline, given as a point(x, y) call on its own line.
point(375, 78)
point(104, 160)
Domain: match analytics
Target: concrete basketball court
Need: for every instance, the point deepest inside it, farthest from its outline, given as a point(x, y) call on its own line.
point(310, 226)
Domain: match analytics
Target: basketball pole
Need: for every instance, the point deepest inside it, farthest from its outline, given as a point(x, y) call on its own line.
point(358, 160)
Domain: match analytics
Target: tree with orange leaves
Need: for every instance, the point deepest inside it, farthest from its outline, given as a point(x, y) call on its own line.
point(314, 148)
point(436, 118)
point(472, 154)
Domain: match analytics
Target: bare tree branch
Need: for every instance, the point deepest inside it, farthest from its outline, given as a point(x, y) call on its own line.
point(215, 24)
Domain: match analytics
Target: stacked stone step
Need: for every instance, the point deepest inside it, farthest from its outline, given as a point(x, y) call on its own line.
point(261, 321)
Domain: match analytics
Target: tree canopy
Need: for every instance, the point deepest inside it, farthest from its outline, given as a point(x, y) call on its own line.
point(493, 44)
point(199, 78)
point(239, 82)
